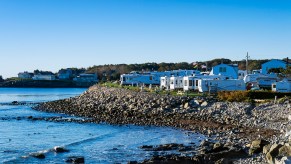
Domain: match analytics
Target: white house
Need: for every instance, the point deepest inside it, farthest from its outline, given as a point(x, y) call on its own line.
point(25, 75)
point(282, 86)
point(274, 63)
point(86, 78)
point(65, 74)
point(226, 70)
point(210, 85)
point(44, 77)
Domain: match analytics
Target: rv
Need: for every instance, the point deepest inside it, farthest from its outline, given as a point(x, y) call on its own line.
point(214, 85)
point(165, 82)
point(176, 82)
point(152, 78)
point(263, 81)
point(282, 86)
point(138, 79)
point(191, 82)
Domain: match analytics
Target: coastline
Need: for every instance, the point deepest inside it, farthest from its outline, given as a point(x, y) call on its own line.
point(43, 84)
point(233, 125)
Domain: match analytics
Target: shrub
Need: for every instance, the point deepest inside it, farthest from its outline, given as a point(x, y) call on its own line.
point(233, 96)
point(240, 96)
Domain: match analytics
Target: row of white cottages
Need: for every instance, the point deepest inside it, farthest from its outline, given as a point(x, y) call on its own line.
point(223, 77)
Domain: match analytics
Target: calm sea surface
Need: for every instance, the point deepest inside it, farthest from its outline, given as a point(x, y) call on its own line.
point(98, 143)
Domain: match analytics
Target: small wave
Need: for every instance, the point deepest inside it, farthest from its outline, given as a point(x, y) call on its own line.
point(46, 151)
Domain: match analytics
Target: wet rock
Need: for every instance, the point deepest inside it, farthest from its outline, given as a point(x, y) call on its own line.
point(283, 160)
point(59, 149)
point(14, 102)
point(75, 159)
point(146, 147)
point(38, 155)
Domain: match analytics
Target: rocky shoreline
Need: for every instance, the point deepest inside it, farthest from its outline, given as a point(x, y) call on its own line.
point(237, 132)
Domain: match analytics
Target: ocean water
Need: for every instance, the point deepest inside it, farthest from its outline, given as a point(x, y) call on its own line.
point(98, 143)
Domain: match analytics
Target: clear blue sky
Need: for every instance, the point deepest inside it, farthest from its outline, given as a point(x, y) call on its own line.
point(55, 34)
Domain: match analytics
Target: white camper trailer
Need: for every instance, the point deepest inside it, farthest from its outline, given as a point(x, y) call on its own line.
point(282, 86)
point(191, 82)
point(263, 81)
point(137, 79)
point(176, 82)
point(266, 82)
point(210, 85)
point(165, 82)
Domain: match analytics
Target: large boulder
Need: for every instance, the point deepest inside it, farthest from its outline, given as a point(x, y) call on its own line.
point(59, 149)
point(75, 159)
point(284, 151)
point(273, 153)
point(284, 160)
point(257, 146)
point(38, 155)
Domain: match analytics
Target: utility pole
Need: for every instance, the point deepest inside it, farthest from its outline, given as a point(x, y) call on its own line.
point(247, 62)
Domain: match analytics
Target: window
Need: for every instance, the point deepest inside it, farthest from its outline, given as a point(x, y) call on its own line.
point(274, 86)
point(176, 82)
point(190, 83)
point(196, 83)
point(222, 69)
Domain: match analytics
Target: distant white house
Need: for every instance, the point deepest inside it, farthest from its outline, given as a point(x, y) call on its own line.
point(274, 63)
point(87, 78)
point(44, 77)
point(25, 75)
point(65, 74)
point(226, 70)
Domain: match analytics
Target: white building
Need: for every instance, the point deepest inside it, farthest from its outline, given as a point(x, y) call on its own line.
point(25, 75)
point(86, 78)
point(65, 74)
point(44, 77)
